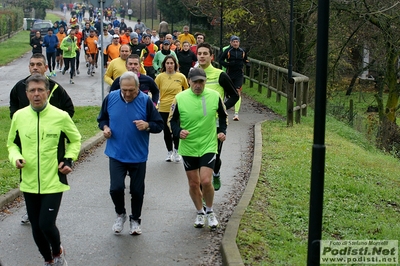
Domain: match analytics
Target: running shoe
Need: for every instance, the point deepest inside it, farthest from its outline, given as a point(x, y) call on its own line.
point(212, 220)
point(46, 263)
point(71, 81)
point(236, 117)
point(25, 219)
point(169, 157)
point(176, 156)
point(119, 223)
point(216, 182)
point(54, 73)
point(135, 228)
point(60, 259)
point(63, 71)
point(77, 72)
point(200, 221)
point(88, 71)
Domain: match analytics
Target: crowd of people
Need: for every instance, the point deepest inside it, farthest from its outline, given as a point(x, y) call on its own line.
point(159, 81)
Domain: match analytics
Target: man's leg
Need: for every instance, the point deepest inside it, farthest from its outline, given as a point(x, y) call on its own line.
point(195, 193)
point(118, 172)
point(137, 173)
point(217, 167)
point(77, 61)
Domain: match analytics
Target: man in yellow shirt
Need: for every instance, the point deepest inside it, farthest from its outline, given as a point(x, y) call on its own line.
point(117, 66)
point(186, 36)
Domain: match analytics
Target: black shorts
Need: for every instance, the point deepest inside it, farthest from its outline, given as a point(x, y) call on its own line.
point(93, 56)
point(193, 163)
point(59, 52)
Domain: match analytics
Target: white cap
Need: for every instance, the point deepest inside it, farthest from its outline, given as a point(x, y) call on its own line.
point(115, 36)
point(68, 31)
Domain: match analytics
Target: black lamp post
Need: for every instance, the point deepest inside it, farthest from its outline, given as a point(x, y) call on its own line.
point(290, 66)
point(221, 27)
point(318, 149)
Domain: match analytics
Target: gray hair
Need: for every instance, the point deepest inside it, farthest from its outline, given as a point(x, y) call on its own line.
point(129, 75)
point(38, 78)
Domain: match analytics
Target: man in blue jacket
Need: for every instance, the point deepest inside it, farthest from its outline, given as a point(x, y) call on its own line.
point(50, 41)
point(127, 118)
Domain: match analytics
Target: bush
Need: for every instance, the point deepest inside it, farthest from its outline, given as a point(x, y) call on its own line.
point(11, 19)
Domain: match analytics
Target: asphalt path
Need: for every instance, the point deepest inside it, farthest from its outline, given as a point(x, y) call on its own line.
point(87, 213)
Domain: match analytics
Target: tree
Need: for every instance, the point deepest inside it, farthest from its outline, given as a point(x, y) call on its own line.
point(381, 27)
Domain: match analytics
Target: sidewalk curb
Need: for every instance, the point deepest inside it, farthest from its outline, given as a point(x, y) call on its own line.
point(87, 145)
point(229, 250)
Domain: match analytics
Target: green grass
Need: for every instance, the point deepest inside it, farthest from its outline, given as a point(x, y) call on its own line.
point(361, 199)
point(14, 47)
point(84, 118)
point(18, 45)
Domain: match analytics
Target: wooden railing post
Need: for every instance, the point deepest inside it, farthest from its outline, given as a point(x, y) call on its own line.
point(289, 109)
point(260, 78)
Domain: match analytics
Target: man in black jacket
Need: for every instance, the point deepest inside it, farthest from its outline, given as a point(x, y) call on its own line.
point(234, 59)
point(58, 96)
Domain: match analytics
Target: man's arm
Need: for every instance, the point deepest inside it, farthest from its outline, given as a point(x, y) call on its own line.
point(74, 137)
point(115, 85)
point(108, 76)
point(60, 99)
point(174, 119)
point(103, 118)
point(222, 117)
point(222, 59)
point(14, 100)
point(156, 123)
point(231, 93)
point(155, 92)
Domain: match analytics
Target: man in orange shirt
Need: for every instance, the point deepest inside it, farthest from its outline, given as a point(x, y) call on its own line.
point(126, 37)
point(79, 37)
point(148, 54)
point(59, 54)
point(91, 50)
point(112, 50)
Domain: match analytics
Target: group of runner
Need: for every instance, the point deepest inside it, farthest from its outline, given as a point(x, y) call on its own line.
point(188, 102)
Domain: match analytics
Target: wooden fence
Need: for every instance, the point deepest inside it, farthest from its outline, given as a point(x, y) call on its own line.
point(275, 79)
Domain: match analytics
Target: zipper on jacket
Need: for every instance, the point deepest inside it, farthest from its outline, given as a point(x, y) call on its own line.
point(38, 152)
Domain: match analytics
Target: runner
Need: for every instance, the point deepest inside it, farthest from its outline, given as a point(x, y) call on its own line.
point(219, 81)
point(192, 120)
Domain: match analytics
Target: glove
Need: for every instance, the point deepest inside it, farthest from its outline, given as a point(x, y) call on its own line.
point(86, 48)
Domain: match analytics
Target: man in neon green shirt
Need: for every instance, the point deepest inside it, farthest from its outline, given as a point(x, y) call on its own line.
point(192, 119)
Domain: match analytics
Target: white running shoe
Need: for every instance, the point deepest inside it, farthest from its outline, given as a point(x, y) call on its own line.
point(177, 157)
point(60, 260)
point(169, 157)
point(212, 220)
point(236, 117)
point(200, 220)
point(119, 223)
point(25, 219)
point(135, 228)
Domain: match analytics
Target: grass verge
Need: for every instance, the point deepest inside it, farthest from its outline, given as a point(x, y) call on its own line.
point(84, 118)
point(361, 195)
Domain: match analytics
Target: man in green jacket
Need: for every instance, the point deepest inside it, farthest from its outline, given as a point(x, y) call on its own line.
point(192, 119)
point(36, 146)
point(69, 47)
